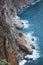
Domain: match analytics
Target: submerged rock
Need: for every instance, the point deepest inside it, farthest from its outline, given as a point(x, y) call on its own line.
point(28, 59)
point(33, 47)
point(32, 39)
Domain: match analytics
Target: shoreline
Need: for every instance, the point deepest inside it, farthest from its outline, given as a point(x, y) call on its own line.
point(17, 44)
point(24, 8)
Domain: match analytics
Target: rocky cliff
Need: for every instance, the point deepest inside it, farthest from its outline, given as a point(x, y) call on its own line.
point(17, 5)
point(12, 41)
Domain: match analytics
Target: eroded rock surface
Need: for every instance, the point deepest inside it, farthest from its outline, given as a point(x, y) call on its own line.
point(13, 44)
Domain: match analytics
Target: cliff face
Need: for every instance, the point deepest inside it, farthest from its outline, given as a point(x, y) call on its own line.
point(9, 49)
point(12, 7)
point(17, 5)
point(7, 39)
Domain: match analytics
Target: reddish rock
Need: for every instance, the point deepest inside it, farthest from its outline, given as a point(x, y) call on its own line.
point(13, 59)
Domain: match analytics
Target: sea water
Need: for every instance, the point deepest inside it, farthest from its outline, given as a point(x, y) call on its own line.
point(33, 17)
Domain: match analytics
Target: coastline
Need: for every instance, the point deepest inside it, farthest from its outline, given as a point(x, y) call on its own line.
point(16, 37)
point(24, 8)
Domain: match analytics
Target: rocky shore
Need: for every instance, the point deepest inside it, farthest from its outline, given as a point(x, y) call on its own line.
point(13, 43)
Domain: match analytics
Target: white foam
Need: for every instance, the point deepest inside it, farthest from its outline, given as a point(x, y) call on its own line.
point(17, 19)
point(26, 23)
point(35, 54)
point(30, 35)
point(22, 62)
point(35, 2)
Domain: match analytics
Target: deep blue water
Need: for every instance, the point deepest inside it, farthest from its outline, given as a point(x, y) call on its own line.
point(34, 14)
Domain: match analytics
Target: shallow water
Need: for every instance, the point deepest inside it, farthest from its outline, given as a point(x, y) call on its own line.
point(34, 14)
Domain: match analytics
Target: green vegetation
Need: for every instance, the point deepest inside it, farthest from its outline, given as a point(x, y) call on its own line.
point(4, 62)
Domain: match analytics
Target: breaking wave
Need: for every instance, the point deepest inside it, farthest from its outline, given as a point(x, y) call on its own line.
point(36, 53)
point(25, 22)
point(29, 35)
point(35, 2)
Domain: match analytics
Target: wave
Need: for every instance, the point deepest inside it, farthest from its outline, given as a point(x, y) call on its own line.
point(29, 36)
point(25, 22)
point(35, 2)
point(36, 53)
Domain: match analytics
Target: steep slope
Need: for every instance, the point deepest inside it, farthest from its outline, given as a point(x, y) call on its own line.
point(10, 46)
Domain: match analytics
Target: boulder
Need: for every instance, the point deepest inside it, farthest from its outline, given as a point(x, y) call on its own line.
point(33, 47)
point(25, 49)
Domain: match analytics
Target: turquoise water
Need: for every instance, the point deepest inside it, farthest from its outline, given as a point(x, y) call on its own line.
point(34, 14)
